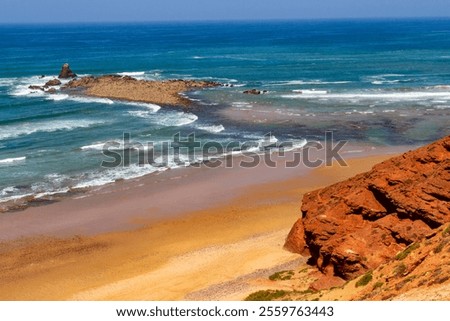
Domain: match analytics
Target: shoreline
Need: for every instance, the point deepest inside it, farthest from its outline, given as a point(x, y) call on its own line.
point(78, 213)
point(189, 254)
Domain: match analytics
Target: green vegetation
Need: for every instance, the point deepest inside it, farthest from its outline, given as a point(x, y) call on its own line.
point(446, 232)
point(303, 270)
point(282, 275)
point(401, 284)
point(439, 248)
point(365, 279)
point(307, 291)
point(266, 295)
point(410, 278)
point(400, 269)
point(402, 255)
point(377, 285)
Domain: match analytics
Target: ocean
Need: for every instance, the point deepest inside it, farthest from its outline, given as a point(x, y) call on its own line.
point(375, 82)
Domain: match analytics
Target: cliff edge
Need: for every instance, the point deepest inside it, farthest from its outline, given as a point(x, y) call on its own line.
point(356, 225)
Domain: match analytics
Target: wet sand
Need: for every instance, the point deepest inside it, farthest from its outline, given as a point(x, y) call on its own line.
point(200, 234)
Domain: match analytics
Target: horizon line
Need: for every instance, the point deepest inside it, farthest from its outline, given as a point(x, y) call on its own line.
point(228, 20)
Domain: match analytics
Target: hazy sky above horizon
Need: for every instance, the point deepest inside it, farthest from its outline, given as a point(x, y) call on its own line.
point(32, 11)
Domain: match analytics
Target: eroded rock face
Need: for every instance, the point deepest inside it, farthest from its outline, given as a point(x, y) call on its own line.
point(66, 72)
point(355, 225)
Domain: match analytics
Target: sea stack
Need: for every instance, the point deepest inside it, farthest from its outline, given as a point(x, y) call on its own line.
point(66, 72)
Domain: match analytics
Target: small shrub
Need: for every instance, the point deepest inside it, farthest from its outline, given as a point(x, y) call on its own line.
point(439, 280)
point(266, 295)
point(400, 269)
point(307, 291)
point(438, 249)
point(364, 280)
point(377, 285)
point(446, 232)
point(282, 275)
point(401, 284)
point(402, 255)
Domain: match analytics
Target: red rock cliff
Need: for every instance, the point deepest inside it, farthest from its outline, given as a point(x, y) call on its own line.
point(355, 225)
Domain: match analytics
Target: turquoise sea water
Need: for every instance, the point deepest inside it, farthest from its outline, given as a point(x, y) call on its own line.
point(376, 82)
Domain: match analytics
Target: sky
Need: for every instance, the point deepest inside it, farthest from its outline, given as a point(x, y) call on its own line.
point(59, 11)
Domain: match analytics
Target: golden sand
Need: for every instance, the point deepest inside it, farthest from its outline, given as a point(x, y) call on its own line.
point(218, 253)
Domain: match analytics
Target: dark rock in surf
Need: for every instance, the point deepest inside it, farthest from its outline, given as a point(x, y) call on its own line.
point(53, 82)
point(252, 92)
point(66, 72)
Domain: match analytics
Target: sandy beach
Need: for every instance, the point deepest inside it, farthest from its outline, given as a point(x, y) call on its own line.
point(182, 235)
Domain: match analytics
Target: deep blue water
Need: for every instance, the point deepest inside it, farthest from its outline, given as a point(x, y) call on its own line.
point(376, 82)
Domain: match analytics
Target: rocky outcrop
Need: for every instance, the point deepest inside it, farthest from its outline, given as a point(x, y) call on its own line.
point(66, 72)
point(34, 87)
point(356, 225)
point(130, 89)
point(47, 87)
point(53, 82)
point(254, 92)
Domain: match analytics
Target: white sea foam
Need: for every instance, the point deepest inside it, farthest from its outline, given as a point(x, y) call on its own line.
point(166, 118)
point(266, 142)
point(8, 190)
point(6, 82)
point(139, 75)
point(242, 105)
point(139, 113)
point(81, 99)
point(387, 79)
point(98, 146)
point(177, 119)
point(22, 129)
point(412, 95)
point(309, 82)
point(132, 73)
point(294, 144)
point(311, 91)
point(12, 160)
point(23, 90)
point(212, 129)
point(12, 197)
point(152, 107)
point(112, 145)
point(109, 176)
point(57, 97)
point(363, 112)
point(142, 114)
point(59, 191)
point(20, 86)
